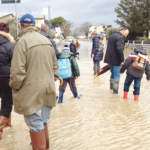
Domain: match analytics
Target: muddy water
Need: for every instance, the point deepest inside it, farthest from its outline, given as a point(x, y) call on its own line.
point(98, 121)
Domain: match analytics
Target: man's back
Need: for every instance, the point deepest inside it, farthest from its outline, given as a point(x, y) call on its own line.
point(115, 46)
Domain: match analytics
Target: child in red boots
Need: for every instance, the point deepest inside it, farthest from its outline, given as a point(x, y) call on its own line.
point(136, 64)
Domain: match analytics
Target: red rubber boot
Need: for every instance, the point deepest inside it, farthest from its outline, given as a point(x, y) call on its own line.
point(125, 95)
point(136, 97)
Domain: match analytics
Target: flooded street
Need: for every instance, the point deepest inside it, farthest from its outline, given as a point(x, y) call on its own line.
point(98, 121)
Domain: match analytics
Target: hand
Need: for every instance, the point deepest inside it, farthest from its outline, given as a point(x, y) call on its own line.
point(93, 55)
point(148, 80)
point(122, 64)
point(77, 77)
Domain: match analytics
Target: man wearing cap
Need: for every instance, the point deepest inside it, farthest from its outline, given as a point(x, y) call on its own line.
point(34, 70)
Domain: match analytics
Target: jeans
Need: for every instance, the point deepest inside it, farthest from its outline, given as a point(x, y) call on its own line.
point(96, 63)
point(137, 83)
point(115, 72)
point(38, 120)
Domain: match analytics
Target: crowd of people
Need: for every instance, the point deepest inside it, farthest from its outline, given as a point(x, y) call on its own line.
point(30, 67)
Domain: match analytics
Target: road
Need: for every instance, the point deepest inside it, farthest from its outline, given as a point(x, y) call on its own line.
point(98, 121)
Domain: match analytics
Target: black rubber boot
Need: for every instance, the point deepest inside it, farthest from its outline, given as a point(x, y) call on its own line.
point(115, 86)
point(111, 83)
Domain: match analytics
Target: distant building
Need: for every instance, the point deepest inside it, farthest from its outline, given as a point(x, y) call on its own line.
point(7, 17)
point(82, 36)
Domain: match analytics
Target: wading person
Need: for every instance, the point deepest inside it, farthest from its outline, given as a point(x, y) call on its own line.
point(136, 64)
point(6, 53)
point(95, 53)
point(45, 32)
point(34, 69)
point(115, 57)
point(75, 46)
point(68, 71)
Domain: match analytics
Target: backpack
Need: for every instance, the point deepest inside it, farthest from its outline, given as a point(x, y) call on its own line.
point(101, 45)
point(140, 62)
point(65, 70)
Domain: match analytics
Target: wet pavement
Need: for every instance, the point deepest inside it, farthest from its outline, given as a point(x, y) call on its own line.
point(98, 121)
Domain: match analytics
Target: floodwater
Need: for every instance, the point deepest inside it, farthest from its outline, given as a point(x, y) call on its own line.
point(98, 121)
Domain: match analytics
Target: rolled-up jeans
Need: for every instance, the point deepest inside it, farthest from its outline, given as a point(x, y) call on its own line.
point(115, 72)
point(38, 120)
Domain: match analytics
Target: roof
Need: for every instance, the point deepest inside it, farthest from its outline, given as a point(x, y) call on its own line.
point(7, 15)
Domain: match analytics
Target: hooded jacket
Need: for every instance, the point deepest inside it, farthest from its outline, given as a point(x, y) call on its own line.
point(95, 46)
point(115, 46)
point(131, 71)
point(74, 65)
point(34, 69)
point(51, 40)
point(6, 53)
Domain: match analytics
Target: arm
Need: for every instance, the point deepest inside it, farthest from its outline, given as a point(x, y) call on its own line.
point(55, 66)
point(75, 67)
point(120, 48)
point(18, 71)
point(147, 70)
point(95, 45)
point(128, 61)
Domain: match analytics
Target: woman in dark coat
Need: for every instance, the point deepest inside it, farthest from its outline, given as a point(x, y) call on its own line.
point(75, 46)
point(6, 53)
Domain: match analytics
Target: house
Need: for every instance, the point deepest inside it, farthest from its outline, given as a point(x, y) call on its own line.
point(7, 17)
point(100, 29)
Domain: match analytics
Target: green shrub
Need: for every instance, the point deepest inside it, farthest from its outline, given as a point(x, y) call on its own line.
point(142, 38)
point(111, 31)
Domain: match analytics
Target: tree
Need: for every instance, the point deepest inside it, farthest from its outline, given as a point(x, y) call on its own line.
point(12, 27)
point(66, 27)
point(85, 27)
point(108, 26)
point(111, 31)
point(134, 14)
point(77, 32)
point(57, 22)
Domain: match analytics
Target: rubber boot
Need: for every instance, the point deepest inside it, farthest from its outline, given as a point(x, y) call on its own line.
point(95, 71)
point(38, 140)
point(98, 70)
point(115, 86)
point(125, 95)
point(60, 97)
point(111, 83)
point(136, 97)
point(76, 95)
point(9, 121)
point(3, 121)
point(46, 136)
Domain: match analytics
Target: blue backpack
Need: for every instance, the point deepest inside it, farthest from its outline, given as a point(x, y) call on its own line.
point(64, 71)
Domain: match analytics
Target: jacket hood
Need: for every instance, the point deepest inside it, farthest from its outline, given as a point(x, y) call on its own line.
point(97, 36)
point(64, 55)
point(45, 34)
point(27, 29)
point(141, 51)
point(5, 37)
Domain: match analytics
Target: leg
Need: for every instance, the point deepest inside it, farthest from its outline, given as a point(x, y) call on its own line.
point(73, 87)
point(37, 133)
point(98, 66)
point(111, 77)
point(46, 110)
point(116, 74)
point(137, 84)
point(6, 108)
point(95, 67)
point(62, 90)
point(127, 84)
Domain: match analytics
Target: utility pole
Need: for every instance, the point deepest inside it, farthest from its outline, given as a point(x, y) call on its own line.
point(16, 16)
point(49, 19)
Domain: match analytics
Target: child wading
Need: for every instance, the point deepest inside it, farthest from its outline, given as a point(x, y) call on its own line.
point(68, 71)
point(136, 64)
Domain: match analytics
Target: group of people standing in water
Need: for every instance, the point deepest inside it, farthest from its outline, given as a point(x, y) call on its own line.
point(29, 69)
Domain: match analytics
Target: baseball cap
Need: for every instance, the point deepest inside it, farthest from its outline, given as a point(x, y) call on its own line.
point(27, 19)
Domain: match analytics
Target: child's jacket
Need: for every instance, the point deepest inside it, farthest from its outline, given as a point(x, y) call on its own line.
point(131, 71)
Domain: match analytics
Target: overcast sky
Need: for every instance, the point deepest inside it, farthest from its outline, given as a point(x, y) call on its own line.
point(77, 11)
